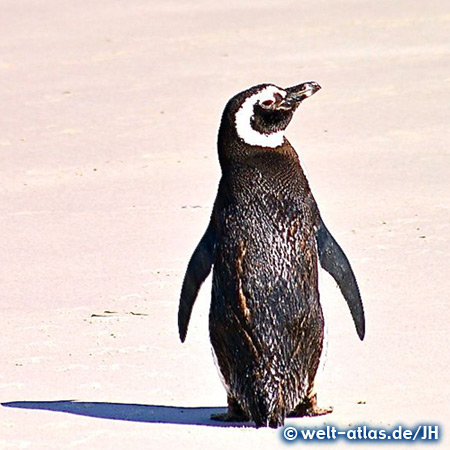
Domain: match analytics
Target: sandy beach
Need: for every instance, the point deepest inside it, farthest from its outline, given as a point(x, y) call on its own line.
point(109, 170)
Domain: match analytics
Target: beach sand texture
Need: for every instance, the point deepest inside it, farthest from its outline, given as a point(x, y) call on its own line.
point(108, 166)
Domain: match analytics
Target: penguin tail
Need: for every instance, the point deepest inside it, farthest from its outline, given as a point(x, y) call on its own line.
point(267, 410)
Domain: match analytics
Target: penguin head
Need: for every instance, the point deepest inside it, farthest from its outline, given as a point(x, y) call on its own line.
point(260, 114)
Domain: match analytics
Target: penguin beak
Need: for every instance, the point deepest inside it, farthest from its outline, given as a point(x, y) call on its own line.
point(296, 94)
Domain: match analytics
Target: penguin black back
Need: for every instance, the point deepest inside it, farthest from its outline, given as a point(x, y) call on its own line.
point(264, 239)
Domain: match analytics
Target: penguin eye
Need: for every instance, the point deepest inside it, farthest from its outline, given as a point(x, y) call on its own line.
point(267, 103)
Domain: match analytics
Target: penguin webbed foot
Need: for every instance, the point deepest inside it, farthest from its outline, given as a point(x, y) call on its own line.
point(310, 412)
point(235, 413)
point(310, 409)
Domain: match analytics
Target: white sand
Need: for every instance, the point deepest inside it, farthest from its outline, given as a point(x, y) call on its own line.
point(108, 173)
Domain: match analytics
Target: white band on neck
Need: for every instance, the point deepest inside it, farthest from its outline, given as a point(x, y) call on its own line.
point(244, 116)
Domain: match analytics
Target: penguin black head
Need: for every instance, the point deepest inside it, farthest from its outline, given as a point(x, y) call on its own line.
point(260, 114)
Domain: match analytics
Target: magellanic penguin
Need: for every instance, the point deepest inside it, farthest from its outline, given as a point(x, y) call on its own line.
point(263, 240)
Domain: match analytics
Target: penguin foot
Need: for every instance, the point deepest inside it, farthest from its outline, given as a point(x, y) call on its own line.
point(310, 409)
point(235, 413)
point(301, 411)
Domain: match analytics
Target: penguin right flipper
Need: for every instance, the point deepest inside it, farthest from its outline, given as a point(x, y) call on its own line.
point(198, 269)
point(333, 260)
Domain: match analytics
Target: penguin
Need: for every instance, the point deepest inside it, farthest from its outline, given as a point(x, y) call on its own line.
point(264, 242)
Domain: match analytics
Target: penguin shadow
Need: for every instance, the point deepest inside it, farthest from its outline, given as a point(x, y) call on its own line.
point(133, 412)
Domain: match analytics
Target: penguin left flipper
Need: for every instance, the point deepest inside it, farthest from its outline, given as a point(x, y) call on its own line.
point(198, 269)
point(333, 260)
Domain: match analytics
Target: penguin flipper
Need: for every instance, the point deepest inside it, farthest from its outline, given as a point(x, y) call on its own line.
point(198, 269)
point(333, 260)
